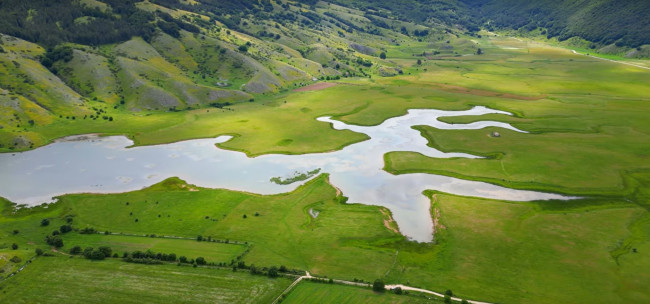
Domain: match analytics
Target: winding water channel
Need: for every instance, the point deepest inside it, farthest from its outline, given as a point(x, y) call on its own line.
point(106, 165)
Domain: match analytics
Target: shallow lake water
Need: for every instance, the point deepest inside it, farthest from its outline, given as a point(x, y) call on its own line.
point(106, 165)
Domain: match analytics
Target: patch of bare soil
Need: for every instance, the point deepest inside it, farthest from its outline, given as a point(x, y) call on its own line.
point(315, 87)
point(388, 220)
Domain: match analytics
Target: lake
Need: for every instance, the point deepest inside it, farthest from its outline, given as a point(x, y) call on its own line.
point(96, 164)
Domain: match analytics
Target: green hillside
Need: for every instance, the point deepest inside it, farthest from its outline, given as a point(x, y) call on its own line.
point(602, 22)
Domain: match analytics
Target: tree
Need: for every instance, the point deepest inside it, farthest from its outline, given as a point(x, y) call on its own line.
point(273, 272)
point(38, 251)
point(419, 62)
point(382, 55)
point(182, 259)
point(45, 222)
point(243, 48)
point(54, 240)
point(479, 51)
point(107, 251)
point(88, 252)
point(199, 238)
point(449, 293)
point(200, 261)
point(65, 228)
point(75, 250)
point(14, 246)
point(97, 255)
point(378, 285)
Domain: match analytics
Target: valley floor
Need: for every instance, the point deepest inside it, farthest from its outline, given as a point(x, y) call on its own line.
point(589, 136)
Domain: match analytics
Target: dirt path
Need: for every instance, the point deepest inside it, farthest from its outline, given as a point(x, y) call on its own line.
point(409, 288)
point(388, 287)
point(315, 87)
point(616, 61)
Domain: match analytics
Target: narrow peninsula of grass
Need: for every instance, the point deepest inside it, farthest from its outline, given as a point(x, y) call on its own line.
point(296, 177)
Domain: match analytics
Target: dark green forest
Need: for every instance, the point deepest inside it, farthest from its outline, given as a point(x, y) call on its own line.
point(602, 22)
point(624, 22)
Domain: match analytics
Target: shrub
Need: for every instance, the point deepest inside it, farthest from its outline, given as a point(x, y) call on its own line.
point(45, 222)
point(16, 259)
point(38, 251)
point(65, 228)
point(200, 261)
point(14, 246)
point(273, 272)
point(97, 255)
point(378, 285)
point(107, 251)
point(75, 250)
point(54, 240)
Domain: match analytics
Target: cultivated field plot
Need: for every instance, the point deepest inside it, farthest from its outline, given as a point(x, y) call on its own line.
point(76, 280)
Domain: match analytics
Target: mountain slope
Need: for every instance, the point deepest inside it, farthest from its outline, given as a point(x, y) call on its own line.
point(604, 22)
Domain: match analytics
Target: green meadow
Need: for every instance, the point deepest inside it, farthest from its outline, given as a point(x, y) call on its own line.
point(587, 134)
point(76, 280)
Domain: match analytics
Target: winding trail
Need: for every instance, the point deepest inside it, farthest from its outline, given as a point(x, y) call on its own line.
point(308, 276)
point(616, 61)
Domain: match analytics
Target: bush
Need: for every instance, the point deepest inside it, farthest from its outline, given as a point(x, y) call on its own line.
point(45, 222)
point(97, 255)
point(107, 251)
point(447, 299)
point(378, 285)
point(65, 228)
point(75, 250)
point(243, 48)
point(16, 259)
point(38, 251)
point(273, 272)
point(200, 261)
point(14, 246)
point(54, 240)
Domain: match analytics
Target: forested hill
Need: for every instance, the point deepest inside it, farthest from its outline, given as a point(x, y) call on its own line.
point(621, 22)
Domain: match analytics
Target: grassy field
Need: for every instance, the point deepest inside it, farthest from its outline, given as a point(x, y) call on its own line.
point(588, 135)
point(309, 292)
point(76, 280)
point(211, 251)
point(282, 233)
point(539, 252)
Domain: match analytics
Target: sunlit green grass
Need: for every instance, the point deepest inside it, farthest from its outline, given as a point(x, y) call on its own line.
point(77, 280)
